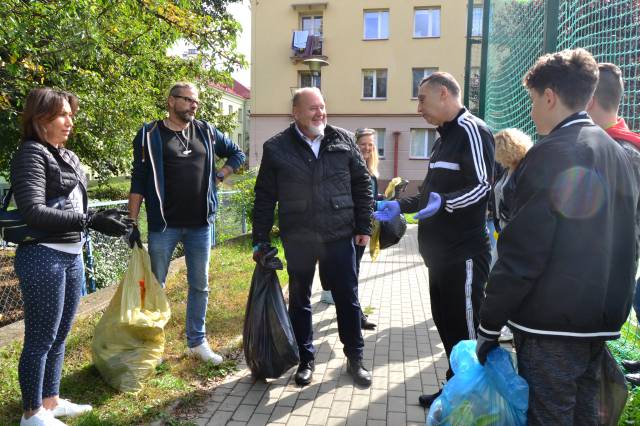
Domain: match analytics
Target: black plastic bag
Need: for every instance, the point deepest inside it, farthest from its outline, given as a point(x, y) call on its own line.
point(613, 391)
point(270, 346)
point(392, 231)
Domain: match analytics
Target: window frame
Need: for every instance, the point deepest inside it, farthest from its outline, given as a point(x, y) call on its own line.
point(477, 28)
point(384, 140)
point(375, 84)
point(379, 13)
point(313, 76)
point(429, 141)
point(313, 17)
point(414, 85)
point(425, 9)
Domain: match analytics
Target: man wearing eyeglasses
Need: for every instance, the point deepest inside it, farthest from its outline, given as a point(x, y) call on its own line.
point(174, 172)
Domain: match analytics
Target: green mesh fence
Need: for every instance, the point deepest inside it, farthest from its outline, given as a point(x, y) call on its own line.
point(610, 29)
point(515, 41)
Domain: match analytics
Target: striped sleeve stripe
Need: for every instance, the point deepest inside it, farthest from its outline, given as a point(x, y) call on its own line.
point(475, 142)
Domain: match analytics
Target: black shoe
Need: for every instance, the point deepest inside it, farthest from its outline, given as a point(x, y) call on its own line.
point(633, 378)
point(631, 366)
point(426, 400)
point(304, 373)
point(366, 324)
point(360, 374)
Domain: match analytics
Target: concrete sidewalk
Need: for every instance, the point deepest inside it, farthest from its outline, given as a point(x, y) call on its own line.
point(404, 353)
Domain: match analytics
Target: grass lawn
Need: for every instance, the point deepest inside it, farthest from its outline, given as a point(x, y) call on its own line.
point(179, 382)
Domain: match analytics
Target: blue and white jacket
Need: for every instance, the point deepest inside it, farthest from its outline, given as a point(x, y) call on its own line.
point(147, 176)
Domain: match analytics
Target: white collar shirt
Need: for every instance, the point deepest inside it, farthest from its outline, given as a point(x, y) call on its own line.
point(313, 143)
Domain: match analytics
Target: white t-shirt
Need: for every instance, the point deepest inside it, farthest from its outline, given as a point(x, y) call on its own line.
point(78, 206)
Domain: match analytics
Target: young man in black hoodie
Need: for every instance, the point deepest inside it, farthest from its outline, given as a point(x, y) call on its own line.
point(566, 266)
point(451, 206)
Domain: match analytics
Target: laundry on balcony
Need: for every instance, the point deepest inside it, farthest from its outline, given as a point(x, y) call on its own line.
point(299, 41)
point(304, 44)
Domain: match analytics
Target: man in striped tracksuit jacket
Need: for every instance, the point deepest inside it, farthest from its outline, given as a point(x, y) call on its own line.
point(452, 206)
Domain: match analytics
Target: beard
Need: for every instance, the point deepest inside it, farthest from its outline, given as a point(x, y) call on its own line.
point(186, 115)
point(317, 130)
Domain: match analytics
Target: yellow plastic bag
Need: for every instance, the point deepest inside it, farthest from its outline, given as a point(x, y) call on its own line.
point(374, 241)
point(128, 341)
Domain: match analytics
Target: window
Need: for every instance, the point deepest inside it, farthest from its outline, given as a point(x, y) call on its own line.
point(313, 24)
point(240, 139)
point(240, 115)
point(476, 28)
point(426, 23)
point(230, 109)
point(418, 75)
point(374, 84)
point(308, 79)
point(421, 142)
point(379, 141)
point(220, 106)
point(376, 24)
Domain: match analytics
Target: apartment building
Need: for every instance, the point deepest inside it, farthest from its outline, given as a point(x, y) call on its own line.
point(235, 100)
point(367, 57)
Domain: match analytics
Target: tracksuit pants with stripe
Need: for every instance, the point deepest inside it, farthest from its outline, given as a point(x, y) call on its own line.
point(456, 290)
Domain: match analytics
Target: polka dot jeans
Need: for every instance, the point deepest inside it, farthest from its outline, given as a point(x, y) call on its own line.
point(50, 281)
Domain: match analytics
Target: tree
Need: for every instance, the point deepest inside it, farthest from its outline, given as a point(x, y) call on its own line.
point(112, 54)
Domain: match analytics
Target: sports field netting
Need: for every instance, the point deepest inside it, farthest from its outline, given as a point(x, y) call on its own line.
point(608, 29)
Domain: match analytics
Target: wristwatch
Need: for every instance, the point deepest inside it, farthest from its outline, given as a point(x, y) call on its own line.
point(220, 176)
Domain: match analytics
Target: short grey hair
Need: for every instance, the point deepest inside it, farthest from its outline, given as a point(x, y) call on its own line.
point(177, 87)
point(299, 92)
point(443, 79)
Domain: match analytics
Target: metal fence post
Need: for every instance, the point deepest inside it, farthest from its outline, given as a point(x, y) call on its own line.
point(551, 19)
point(90, 266)
point(243, 223)
point(486, 17)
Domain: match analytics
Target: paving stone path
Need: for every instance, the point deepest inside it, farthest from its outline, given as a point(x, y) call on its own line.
point(404, 354)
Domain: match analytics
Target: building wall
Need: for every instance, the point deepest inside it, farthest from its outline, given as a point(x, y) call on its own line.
point(274, 76)
point(240, 133)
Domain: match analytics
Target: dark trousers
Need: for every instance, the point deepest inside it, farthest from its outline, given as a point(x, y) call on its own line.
point(336, 261)
point(50, 281)
point(563, 377)
point(456, 291)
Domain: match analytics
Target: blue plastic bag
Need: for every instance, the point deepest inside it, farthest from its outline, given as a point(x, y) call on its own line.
point(481, 396)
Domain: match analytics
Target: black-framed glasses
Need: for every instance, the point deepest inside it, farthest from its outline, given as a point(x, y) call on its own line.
point(188, 99)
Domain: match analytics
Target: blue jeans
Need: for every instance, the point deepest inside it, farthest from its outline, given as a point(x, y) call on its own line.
point(197, 248)
point(50, 281)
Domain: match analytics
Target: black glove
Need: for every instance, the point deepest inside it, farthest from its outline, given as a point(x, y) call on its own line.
point(265, 256)
point(134, 236)
point(108, 222)
point(485, 345)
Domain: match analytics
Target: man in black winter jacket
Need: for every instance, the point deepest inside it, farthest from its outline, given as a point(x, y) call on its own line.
point(451, 206)
point(566, 263)
point(317, 177)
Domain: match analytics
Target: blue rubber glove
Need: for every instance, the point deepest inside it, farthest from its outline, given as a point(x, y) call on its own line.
point(433, 205)
point(386, 210)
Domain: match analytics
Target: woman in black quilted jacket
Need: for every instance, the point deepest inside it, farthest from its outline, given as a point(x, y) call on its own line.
point(50, 191)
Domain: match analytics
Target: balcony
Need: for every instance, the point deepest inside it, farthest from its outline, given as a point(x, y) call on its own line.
point(306, 46)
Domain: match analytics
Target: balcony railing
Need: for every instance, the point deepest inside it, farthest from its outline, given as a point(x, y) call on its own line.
point(305, 45)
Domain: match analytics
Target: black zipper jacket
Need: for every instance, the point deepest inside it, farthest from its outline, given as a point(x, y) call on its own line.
point(461, 171)
point(40, 173)
point(566, 262)
point(319, 199)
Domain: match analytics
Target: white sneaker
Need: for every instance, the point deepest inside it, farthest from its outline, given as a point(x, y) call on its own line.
point(69, 409)
point(205, 353)
point(505, 335)
point(41, 418)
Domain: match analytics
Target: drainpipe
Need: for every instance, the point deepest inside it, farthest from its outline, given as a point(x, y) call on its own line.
point(396, 142)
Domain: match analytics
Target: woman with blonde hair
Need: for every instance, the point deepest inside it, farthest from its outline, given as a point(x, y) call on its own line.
point(511, 147)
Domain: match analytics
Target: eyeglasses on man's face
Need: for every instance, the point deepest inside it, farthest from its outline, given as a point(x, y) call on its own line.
point(187, 99)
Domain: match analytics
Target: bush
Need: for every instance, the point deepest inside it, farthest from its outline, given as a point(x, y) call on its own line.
point(243, 200)
point(110, 191)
